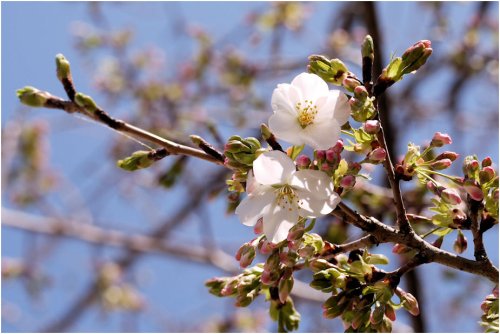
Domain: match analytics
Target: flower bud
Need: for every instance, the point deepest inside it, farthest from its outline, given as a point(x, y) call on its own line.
point(371, 126)
point(470, 166)
point(294, 244)
point(350, 83)
point(448, 155)
point(32, 97)
point(367, 49)
point(338, 147)
point(440, 139)
point(400, 249)
point(460, 244)
point(138, 160)
point(410, 303)
point(440, 164)
point(377, 155)
point(431, 186)
point(486, 174)
point(303, 161)
point(438, 242)
point(265, 247)
point(317, 265)
point(62, 67)
point(86, 102)
point(245, 255)
point(296, 232)
point(495, 291)
point(320, 155)
point(473, 190)
point(258, 228)
point(390, 313)
point(285, 286)
point(306, 251)
point(348, 181)
point(451, 196)
point(333, 71)
point(486, 162)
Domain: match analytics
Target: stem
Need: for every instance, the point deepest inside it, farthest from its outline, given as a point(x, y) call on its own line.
point(347, 133)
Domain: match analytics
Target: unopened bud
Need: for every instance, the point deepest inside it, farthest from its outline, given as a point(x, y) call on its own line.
point(470, 166)
point(410, 303)
point(440, 164)
point(265, 247)
point(348, 181)
point(62, 67)
point(285, 286)
point(332, 156)
point(296, 232)
point(338, 147)
point(333, 71)
point(245, 254)
point(486, 174)
point(440, 139)
point(438, 242)
point(32, 97)
point(433, 188)
point(451, 196)
point(361, 93)
point(371, 126)
point(377, 155)
point(350, 83)
point(86, 102)
point(258, 228)
point(460, 244)
point(473, 190)
point(303, 161)
point(448, 155)
point(400, 249)
point(367, 49)
point(320, 155)
point(138, 160)
point(486, 162)
point(390, 313)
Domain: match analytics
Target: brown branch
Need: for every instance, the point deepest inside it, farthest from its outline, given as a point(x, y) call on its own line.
point(384, 233)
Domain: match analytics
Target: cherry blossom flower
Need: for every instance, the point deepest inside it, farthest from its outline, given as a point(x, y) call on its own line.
point(306, 112)
point(279, 195)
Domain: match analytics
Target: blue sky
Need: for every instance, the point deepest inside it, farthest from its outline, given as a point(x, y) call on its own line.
point(34, 32)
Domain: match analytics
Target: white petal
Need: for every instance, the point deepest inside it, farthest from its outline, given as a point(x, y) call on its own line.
point(254, 207)
point(253, 187)
point(321, 135)
point(316, 194)
point(342, 108)
point(284, 98)
point(277, 222)
point(272, 168)
point(286, 127)
point(310, 85)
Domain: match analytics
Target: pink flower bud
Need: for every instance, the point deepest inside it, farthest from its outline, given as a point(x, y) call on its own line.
point(361, 91)
point(432, 188)
point(331, 155)
point(389, 312)
point(294, 244)
point(338, 147)
point(303, 161)
point(350, 84)
point(441, 164)
point(265, 247)
point(348, 181)
point(326, 167)
point(451, 196)
point(377, 155)
point(258, 228)
point(495, 291)
point(320, 155)
point(486, 162)
point(474, 191)
point(448, 155)
point(440, 139)
point(410, 303)
point(372, 126)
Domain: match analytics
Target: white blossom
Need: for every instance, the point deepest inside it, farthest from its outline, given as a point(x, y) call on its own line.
point(279, 195)
point(307, 112)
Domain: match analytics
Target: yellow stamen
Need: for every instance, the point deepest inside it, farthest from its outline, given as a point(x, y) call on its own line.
point(306, 112)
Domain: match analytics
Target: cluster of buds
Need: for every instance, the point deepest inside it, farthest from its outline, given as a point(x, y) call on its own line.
point(325, 160)
point(333, 71)
point(361, 104)
point(411, 60)
point(244, 287)
point(142, 159)
point(489, 306)
point(239, 156)
point(481, 181)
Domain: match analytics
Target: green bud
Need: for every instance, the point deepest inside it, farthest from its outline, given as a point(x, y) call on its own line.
point(32, 97)
point(253, 143)
point(86, 102)
point(367, 49)
point(333, 71)
point(62, 67)
point(266, 132)
point(138, 160)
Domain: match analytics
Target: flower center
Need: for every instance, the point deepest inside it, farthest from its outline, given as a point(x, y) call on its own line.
point(286, 198)
point(306, 112)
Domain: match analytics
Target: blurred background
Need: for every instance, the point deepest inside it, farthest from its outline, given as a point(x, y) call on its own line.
point(70, 216)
